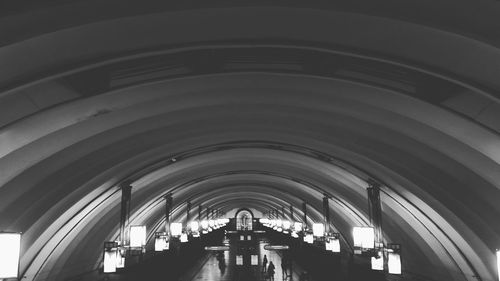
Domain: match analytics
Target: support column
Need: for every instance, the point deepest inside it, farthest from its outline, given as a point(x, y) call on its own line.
point(326, 213)
point(168, 208)
point(304, 210)
point(188, 210)
point(375, 210)
point(126, 189)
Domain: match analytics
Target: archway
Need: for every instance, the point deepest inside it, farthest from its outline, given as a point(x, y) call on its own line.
point(244, 219)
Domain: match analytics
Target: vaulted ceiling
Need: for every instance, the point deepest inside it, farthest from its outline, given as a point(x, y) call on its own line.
point(258, 105)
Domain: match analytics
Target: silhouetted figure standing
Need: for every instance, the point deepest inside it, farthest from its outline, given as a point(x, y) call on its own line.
point(264, 264)
point(270, 271)
point(283, 269)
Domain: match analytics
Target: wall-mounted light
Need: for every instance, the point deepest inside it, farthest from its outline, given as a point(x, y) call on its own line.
point(332, 243)
point(318, 229)
point(176, 229)
point(286, 225)
point(10, 245)
point(110, 257)
point(364, 238)
point(161, 241)
point(394, 258)
point(378, 261)
point(297, 226)
point(184, 237)
point(137, 236)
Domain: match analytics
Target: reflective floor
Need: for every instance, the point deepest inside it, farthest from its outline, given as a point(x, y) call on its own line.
point(244, 261)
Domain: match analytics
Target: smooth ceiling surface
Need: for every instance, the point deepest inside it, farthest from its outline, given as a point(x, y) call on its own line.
point(90, 102)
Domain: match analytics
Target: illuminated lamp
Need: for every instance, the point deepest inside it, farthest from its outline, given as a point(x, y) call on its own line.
point(239, 260)
point(286, 225)
point(110, 257)
point(137, 236)
point(332, 243)
point(295, 235)
point(364, 238)
point(184, 237)
point(176, 229)
point(195, 226)
point(161, 241)
point(211, 223)
point(394, 258)
point(297, 226)
point(204, 224)
point(309, 238)
point(318, 229)
point(378, 261)
point(120, 257)
point(10, 248)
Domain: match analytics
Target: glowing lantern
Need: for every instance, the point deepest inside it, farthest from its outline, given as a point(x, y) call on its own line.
point(364, 238)
point(332, 243)
point(287, 225)
point(137, 236)
point(110, 257)
point(394, 258)
point(318, 229)
point(10, 244)
point(176, 229)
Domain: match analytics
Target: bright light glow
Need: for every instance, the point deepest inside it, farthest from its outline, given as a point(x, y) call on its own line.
point(394, 263)
point(10, 244)
point(378, 262)
point(297, 226)
point(239, 260)
point(204, 224)
point(335, 245)
point(160, 243)
point(120, 259)
point(364, 237)
point(308, 238)
point(249, 237)
point(286, 225)
point(279, 223)
point(195, 226)
point(242, 238)
point(264, 221)
point(295, 235)
point(184, 238)
point(137, 236)
point(318, 229)
point(255, 260)
point(176, 229)
point(110, 257)
point(211, 223)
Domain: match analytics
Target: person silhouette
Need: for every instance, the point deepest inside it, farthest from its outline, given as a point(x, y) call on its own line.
point(264, 264)
point(270, 271)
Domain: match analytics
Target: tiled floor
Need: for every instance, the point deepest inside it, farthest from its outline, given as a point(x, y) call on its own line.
point(222, 265)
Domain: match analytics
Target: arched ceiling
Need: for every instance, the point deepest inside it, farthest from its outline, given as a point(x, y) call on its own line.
point(259, 106)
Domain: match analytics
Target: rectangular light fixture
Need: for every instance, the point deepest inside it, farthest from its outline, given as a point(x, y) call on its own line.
point(308, 238)
point(110, 257)
point(394, 258)
point(137, 236)
point(378, 261)
point(204, 224)
point(332, 243)
point(318, 229)
point(184, 237)
point(161, 241)
point(176, 229)
point(297, 226)
point(364, 237)
point(10, 245)
point(195, 226)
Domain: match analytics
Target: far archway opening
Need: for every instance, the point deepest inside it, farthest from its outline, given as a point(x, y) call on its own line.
point(244, 219)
